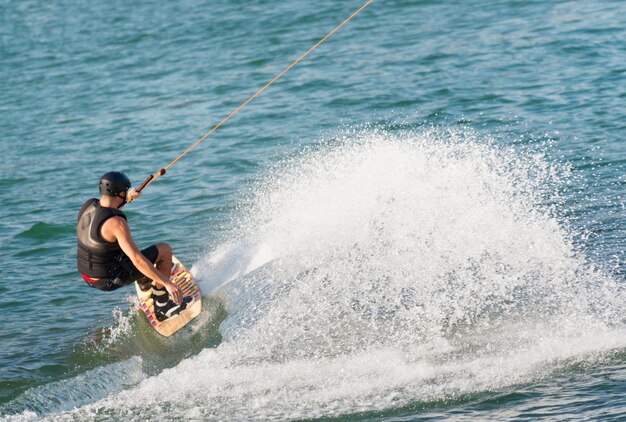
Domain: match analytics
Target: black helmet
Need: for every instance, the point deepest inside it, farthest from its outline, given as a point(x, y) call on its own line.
point(113, 183)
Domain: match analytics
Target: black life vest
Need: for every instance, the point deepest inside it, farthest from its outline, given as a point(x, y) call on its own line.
point(94, 254)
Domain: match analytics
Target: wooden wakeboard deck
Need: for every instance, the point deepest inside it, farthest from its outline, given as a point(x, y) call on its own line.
point(183, 278)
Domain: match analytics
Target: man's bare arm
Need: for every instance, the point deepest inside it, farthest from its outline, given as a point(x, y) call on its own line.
point(118, 228)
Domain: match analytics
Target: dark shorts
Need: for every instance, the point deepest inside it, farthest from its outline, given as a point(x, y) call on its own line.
point(123, 272)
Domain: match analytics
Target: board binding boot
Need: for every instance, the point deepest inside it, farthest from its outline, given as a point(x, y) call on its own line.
point(164, 308)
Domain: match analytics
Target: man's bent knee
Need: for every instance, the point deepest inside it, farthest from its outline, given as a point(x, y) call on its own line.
point(165, 250)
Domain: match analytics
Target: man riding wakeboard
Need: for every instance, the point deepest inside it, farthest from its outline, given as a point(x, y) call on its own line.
point(108, 258)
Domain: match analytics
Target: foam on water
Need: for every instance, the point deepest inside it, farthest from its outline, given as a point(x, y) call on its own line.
point(379, 271)
point(68, 394)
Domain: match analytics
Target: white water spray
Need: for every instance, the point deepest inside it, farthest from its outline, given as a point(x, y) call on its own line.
point(388, 270)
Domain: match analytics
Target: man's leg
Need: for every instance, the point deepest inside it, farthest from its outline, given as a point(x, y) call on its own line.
point(164, 260)
point(164, 307)
point(161, 256)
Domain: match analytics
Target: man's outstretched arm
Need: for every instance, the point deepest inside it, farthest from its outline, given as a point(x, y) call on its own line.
point(119, 228)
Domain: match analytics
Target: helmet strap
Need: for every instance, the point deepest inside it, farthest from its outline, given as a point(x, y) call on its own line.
point(124, 200)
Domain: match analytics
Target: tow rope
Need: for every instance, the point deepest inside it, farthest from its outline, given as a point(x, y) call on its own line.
point(162, 171)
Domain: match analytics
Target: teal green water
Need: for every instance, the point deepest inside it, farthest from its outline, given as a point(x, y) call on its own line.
point(425, 219)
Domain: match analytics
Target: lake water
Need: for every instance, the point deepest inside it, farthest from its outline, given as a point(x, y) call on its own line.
point(423, 220)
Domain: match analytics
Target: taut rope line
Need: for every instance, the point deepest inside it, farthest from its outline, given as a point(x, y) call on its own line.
point(162, 171)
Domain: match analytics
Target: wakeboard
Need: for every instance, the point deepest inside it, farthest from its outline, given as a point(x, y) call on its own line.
point(183, 278)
